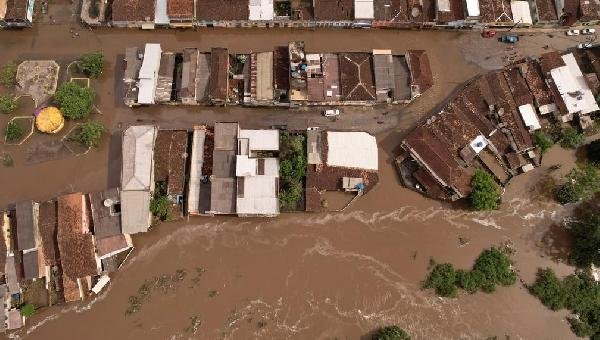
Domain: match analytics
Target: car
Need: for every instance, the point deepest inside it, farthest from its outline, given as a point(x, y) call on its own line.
point(584, 46)
point(572, 32)
point(509, 39)
point(588, 31)
point(488, 34)
point(331, 113)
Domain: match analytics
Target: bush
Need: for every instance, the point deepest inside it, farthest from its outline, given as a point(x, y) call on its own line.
point(495, 266)
point(593, 152)
point(92, 64)
point(586, 241)
point(571, 139)
point(90, 134)
point(542, 141)
point(74, 101)
point(443, 279)
point(470, 281)
point(291, 195)
point(8, 74)
point(27, 310)
point(13, 132)
point(7, 104)
point(486, 193)
point(160, 206)
point(578, 293)
point(292, 170)
point(390, 333)
point(581, 183)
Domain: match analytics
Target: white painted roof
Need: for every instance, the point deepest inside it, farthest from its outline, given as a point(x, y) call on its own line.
point(260, 196)
point(352, 150)
point(261, 10)
point(3, 8)
point(529, 117)
point(160, 13)
point(261, 140)
point(521, 12)
point(193, 199)
point(146, 91)
point(363, 9)
point(138, 153)
point(135, 212)
point(245, 166)
point(102, 282)
point(473, 8)
point(573, 88)
point(151, 63)
point(443, 5)
point(478, 144)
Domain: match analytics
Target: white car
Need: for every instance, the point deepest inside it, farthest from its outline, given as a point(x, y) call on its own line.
point(573, 32)
point(584, 46)
point(588, 31)
point(331, 113)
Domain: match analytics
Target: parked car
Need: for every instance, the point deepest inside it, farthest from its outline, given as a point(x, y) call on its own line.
point(584, 46)
point(509, 39)
point(573, 32)
point(588, 31)
point(488, 34)
point(331, 113)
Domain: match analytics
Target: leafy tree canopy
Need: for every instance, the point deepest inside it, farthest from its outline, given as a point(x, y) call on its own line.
point(92, 64)
point(391, 333)
point(74, 101)
point(486, 194)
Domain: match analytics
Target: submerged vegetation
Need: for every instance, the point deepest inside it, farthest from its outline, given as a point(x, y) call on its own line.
point(491, 268)
point(581, 183)
point(390, 333)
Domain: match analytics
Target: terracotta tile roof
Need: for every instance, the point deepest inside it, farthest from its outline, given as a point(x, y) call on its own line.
point(495, 11)
point(550, 61)
point(589, 10)
point(16, 10)
point(180, 9)
point(420, 70)
point(570, 12)
point(536, 83)
point(546, 10)
point(133, 10)
point(356, 77)
point(222, 10)
point(70, 289)
point(76, 247)
point(281, 68)
point(391, 10)
point(518, 86)
point(48, 231)
point(334, 10)
point(2, 250)
point(169, 160)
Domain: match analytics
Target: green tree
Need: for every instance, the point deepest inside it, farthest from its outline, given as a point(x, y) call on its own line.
point(581, 183)
point(542, 141)
point(443, 279)
point(390, 333)
point(571, 139)
point(92, 64)
point(549, 289)
point(90, 134)
point(486, 193)
point(27, 310)
point(586, 241)
point(470, 281)
point(74, 101)
point(495, 266)
point(160, 206)
point(8, 74)
point(593, 152)
point(291, 196)
point(7, 104)
point(13, 132)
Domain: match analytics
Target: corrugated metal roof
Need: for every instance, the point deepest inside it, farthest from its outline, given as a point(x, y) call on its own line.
point(26, 224)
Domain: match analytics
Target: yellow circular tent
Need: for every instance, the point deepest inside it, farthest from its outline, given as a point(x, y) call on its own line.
point(50, 120)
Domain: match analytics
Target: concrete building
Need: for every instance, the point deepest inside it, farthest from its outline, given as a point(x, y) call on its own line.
point(148, 74)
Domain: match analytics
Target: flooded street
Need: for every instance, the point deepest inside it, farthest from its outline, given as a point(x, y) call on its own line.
point(299, 276)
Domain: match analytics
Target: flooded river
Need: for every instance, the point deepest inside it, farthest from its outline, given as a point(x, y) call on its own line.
point(300, 276)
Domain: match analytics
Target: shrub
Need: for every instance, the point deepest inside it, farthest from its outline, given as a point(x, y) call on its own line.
point(443, 279)
point(8, 74)
point(390, 333)
point(571, 139)
point(160, 206)
point(593, 152)
point(92, 64)
point(581, 183)
point(7, 104)
point(586, 241)
point(90, 134)
point(13, 132)
point(470, 281)
point(486, 193)
point(74, 101)
point(291, 195)
point(549, 289)
point(495, 266)
point(27, 310)
point(542, 141)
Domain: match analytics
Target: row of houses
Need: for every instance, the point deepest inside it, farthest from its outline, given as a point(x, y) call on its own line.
point(16, 13)
point(228, 170)
point(65, 247)
point(287, 76)
point(489, 123)
point(149, 14)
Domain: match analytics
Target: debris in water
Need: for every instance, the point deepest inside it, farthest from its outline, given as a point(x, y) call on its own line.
point(195, 324)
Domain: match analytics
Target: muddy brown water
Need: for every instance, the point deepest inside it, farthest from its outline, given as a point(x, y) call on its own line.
point(300, 276)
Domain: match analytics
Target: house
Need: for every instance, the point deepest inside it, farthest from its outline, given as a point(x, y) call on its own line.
point(163, 90)
point(198, 188)
point(181, 13)
point(364, 11)
point(496, 13)
point(16, 13)
point(356, 78)
point(149, 74)
point(133, 13)
point(76, 246)
point(392, 77)
point(340, 12)
point(521, 13)
point(223, 187)
point(27, 225)
point(281, 74)
point(544, 13)
point(48, 224)
point(257, 172)
point(261, 78)
point(189, 75)
point(137, 178)
point(260, 10)
point(219, 76)
point(213, 13)
point(421, 77)
point(106, 212)
point(170, 159)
